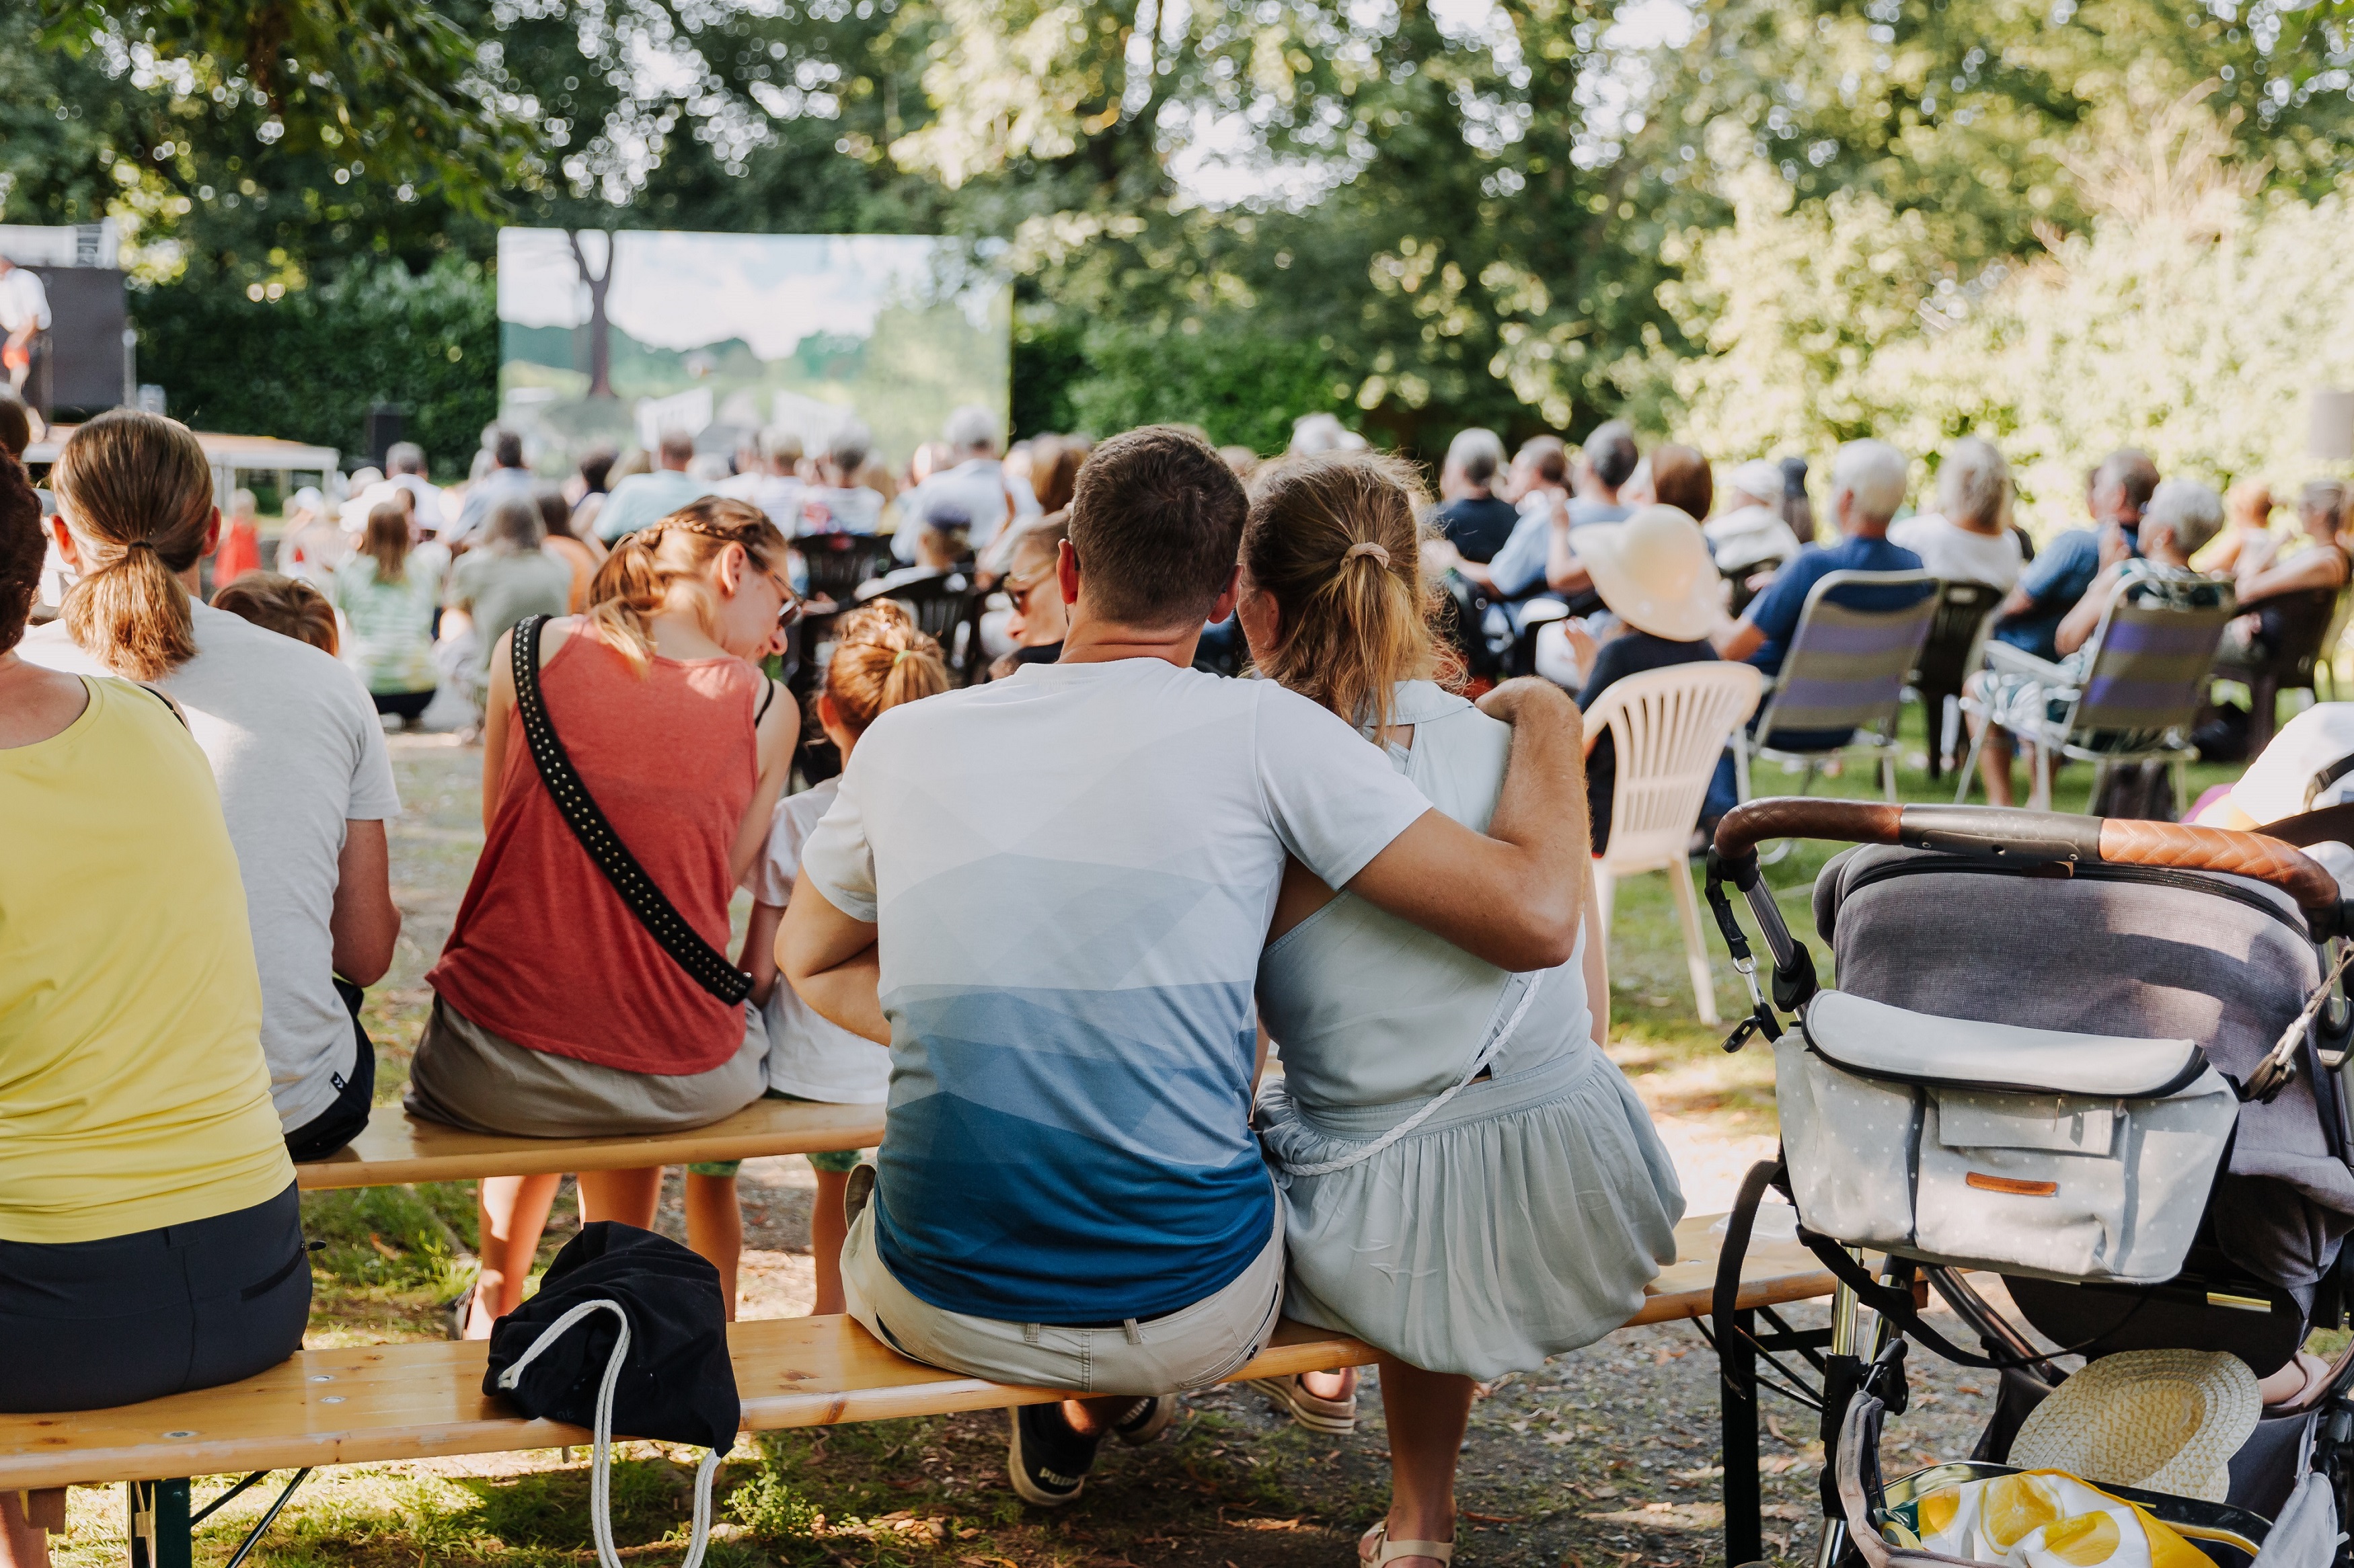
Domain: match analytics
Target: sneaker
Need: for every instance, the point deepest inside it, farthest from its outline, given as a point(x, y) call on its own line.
point(1290, 1396)
point(1046, 1460)
point(456, 1313)
point(1146, 1420)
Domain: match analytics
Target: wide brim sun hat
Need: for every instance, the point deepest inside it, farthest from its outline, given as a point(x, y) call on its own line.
point(2164, 1421)
point(1655, 572)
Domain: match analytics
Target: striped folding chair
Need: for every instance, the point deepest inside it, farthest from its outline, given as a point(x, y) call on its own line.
point(2140, 694)
point(1844, 676)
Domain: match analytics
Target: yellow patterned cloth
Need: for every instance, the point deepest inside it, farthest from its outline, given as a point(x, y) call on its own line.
point(2048, 1519)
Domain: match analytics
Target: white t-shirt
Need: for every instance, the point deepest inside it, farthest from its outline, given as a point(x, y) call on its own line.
point(809, 1056)
point(2292, 777)
point(1749, 536)
point(979, 488)
point(1958, 556)
point(297, 749)
point(777, 495)
point(1073, 870)
point(23, 300)
point(2278, 782)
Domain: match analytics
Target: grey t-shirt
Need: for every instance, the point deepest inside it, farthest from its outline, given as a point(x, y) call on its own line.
point(499, 591)
point(298, 751)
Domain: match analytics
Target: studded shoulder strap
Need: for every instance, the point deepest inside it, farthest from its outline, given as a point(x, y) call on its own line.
point(704, 964)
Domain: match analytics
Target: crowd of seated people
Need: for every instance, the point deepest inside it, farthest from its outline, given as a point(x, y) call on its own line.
point(1075, 1190)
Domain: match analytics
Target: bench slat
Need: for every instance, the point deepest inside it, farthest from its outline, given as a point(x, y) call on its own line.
point(379, 1403)
point(397, 1149)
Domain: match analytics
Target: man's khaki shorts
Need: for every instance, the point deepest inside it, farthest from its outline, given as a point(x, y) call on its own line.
point(1194, 1347)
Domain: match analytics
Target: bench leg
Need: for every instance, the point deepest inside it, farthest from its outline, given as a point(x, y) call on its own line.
point(159, 1523)
point(1745, 1524)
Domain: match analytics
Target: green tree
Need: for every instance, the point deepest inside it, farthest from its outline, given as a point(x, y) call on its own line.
point(308, 366)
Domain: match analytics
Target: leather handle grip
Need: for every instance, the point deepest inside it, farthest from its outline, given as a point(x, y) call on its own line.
point(1747, 826)
point(2180, 847)
point(2037, 835)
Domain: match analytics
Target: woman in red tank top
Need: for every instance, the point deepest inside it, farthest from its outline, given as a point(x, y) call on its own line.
point(557, 1013)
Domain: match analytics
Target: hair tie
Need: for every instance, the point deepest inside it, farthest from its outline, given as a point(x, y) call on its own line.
point(1366, 548)
point(902, 653)
point(139, 545)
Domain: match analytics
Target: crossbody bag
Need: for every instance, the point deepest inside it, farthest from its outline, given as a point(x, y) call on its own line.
point(704, 964)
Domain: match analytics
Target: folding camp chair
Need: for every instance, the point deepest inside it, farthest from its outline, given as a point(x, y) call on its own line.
point(1667, 728)
point(1844, 675)
point(1964, 611)
point(2140, 694)
point(2317, 620)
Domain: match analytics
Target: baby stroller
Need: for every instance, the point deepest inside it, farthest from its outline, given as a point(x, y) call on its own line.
point(2105, 1059)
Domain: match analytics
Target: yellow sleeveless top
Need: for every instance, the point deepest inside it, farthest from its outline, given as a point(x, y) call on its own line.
point(132, 1090)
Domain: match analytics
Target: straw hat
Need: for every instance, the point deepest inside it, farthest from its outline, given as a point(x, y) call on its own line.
point(2165, 1420)
point(1654, 571)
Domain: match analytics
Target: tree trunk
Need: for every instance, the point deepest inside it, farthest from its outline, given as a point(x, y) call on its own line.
point(600, 326)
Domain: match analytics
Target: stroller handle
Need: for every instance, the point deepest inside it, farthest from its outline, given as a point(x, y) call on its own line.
point(2048, 837)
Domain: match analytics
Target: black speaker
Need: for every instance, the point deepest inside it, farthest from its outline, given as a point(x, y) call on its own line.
point(385, 424)
point(84, 360)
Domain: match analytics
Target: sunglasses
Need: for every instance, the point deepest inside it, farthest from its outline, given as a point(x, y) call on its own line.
point(1019, 589)
point(792, 609)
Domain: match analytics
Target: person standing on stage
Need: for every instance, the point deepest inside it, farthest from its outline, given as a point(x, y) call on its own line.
point(25, 317)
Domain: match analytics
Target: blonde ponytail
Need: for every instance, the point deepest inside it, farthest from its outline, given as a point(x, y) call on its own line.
point(1333, 537)
point(653, 568)
point(136, 492)
point(880, 658)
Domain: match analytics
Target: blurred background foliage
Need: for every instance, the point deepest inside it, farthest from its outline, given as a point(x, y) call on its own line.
point(1769, 223)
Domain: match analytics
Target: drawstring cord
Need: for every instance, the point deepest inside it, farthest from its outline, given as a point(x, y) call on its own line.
point(600, 1472)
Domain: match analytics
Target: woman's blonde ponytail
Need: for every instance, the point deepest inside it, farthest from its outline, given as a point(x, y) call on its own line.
point(1333, 539)
point(136, 492)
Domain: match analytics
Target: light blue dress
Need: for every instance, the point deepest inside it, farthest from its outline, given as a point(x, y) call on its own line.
point(1525, 1216)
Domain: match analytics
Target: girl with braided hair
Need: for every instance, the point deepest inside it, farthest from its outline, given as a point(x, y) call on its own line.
point(558, 1011)
point(880, 658)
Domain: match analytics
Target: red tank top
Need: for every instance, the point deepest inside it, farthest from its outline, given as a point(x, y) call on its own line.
point(543, 952)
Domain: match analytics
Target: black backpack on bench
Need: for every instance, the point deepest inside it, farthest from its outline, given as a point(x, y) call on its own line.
point(628, 1334)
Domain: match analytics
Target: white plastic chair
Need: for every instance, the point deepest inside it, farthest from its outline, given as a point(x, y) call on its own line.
point(1668, 727)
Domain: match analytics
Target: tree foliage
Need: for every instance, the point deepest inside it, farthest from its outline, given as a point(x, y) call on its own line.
point(309, 364)
point(1419, 213)
point(2192, 315)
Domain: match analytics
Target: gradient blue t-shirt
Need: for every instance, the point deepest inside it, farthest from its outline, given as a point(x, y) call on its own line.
point(1073, 870)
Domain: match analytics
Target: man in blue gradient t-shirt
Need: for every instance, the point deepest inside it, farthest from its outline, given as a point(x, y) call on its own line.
point(1048, 897)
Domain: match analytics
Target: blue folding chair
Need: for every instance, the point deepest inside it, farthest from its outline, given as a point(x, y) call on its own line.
point(2136, 701)
point(1844, 676)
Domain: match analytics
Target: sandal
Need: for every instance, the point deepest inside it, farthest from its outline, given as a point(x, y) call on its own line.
point(1289, 1394)
point(1377, 1550)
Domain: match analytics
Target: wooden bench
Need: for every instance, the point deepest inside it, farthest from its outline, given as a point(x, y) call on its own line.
point(397, 1149)
point(387, 1402)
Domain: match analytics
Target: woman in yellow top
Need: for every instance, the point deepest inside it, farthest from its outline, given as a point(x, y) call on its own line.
point(150, 1239)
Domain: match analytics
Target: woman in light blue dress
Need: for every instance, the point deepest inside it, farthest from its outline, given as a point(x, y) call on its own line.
point(1470, 1184)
